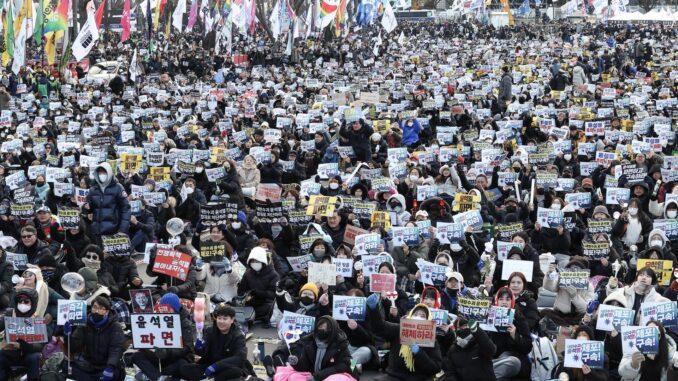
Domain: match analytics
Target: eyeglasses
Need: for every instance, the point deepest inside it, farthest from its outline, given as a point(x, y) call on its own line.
point(93, 257)
point(99, 309)
point(26, 236)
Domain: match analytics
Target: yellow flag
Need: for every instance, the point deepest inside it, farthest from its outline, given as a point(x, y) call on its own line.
point(26, 11)
point(51, 39)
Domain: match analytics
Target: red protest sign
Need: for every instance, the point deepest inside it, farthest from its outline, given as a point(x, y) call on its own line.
point(382, 282)
point(172, 263)
point(420, 332)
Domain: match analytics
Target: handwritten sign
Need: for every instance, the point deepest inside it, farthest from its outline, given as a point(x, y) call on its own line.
point(322, 273)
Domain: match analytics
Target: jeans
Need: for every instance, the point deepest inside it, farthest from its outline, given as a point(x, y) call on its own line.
point(138, 241)
point(148, 363)
point(506, 366)
point(13, 358)
point(361, 355)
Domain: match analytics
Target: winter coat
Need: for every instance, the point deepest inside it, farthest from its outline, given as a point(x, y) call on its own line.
point(359, 140)
point(183, 288)
point(145, 223)
point(427, 362)
point(628, 293)
point(410, 134)
point(261, 285)
point(189, 209)
point(337, 358)
point(578, 76)
point(122, 270)
point(38, 250)
point(519, 347)
point(548, 240)
point(564, 302)
point(473, 363)
point(628, 373)
point(249, 177)
point(6, 272)
point(225, 350)
point(271, 173)
point(109, 204)
point(188, 338)
point(505, 85)
point(101, 347)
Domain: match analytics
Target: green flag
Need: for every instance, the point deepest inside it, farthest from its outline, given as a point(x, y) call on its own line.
point(9, 36)
point(66, 56)
point(39, 23)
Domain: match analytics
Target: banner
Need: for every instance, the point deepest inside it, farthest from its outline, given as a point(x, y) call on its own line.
point(580, 352)
point(348, 307)
point(73, 311)
point(213, 214)
point(172, 263)
point(576, 279)
point(476, 309)
point(212, 251)
point(151, 331)
point(419, 332)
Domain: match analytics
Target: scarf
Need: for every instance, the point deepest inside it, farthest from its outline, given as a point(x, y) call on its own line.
point(319, 355)
point(406, 350)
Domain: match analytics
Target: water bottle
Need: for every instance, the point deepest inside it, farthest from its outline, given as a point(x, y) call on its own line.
point(227, 266)
point(255, 356)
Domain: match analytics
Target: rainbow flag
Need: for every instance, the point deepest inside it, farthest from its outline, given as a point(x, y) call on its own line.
point(328, 9)
point(340, 18)
point(59, 20)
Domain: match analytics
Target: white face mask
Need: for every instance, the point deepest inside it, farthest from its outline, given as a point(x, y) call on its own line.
point(334, 185)
point(103, 177)
point(236, 225)
point(633, 211)
point(189, 190)
point(199, 169)
point(256, 266)
point(414, 177)
point(671, 213)
point(555, 206)
point(657, 242)
point(23, 307)
point(417, 317)
point(567, 156)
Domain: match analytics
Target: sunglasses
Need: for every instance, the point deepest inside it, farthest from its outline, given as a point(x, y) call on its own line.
point(26, 236)
point(92, 257)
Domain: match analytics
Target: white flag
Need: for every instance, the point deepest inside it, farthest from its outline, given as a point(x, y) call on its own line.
point(401, 38)
point(178, 15)
point(20, 48)
point(133, 67)
point(388, 21)
point(86, 39)
point(275, 21)
point(377, 44)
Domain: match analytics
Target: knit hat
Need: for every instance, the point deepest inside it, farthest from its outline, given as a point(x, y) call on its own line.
point(258, 254)
point(422, 213)
point(443, 168)
point(47, 261)
point(310, 287)
point(587, 181)
point(457, 276)
point(601, 209)
point(90, 277)
point(172, 300)
point(585, 329)
point(579, 262)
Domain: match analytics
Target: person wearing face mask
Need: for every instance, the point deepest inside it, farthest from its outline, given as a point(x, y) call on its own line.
point(321, 355)
point(320, 249)
point(470, 358)
point(633, 226)
point(359, 137)
point(556, 239)
point(259, 282)
point(405, 362)
point(638, 366)
point(108, 202)
point(249, 173)
point(99, 344)
point(22, 353)
point(585, 373)
point(661, 209)
point(454, 288)
point(284, 240)
point(379, 149)
point(191, 198)
point(240, 237)
point(333, 187)
point(52, 272)
point(142, 226)
point(117, 272)
point(570, 304)
point(310, 302)
point(396, 205)
point(410, 129)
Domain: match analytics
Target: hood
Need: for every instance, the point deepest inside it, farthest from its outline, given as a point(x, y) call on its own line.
point(91, 279)
point(433, 290)
point(513, 297)
point(617, 297)
point(661, 234)
point(326, 237)
point(258, 254)
point(654, 249)
point(32, 295)
point(420, 306)
point(400, 198)
point(335, 331)
point(666, 206)
point(107, 167)
point(446, 255)
point(654, 169)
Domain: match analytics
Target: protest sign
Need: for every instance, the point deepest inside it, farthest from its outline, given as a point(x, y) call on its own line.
point(305, 241)
point(441, 317)
point(577, 279)
point(268, 192)
point(632, 172)
point(579, 200)
point(614, 318)
point(270, 212)
point(212, 251)
point(511, 265)
point(500, 318)
point(300, 263)
point(29, 329)
point(371, 263)
point(69, 218)
point(321, 205)
point(584, 352)
point(504, 232)
point(382, 282)
point(405, 236)
point(344, 266)
point(19, 261)
point(322, 273)
point(351, 232)
point(596, 250)
point(381, 219)
point(617, 196)
point(213, 214)
point(73, 311)
point(432, 274)
point(172, 263)
point(367, 243)
point(600, 226)
point(669, 226)
point(449, 232)
point(663, 312)
point(640, 339)
point(151, 331)
point(663, 269)
point(465, 202)
point(476, 309)
point(504, 248)
point(295, 322)
point(348, 307)
point(471, 219)
point(550, 218)
point(117, 244)
point(419, 332)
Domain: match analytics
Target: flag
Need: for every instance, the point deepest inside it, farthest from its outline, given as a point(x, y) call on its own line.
point(193, 16)
point(377, 44)
point(25, 12)
point(290, 42)
point(340, 18)
point(50, 46)
point(275, 20)
point(100, 13)
point(133, 67)
point(388, 21)
point(20, 47)
point(507, 9)
point(86, 39)
point(228, 29)
point(59, 20)
point(401, 38)
point(39, 21)
point(9, 36)
point(125, 22)
point(149, 19)
point(66, 56)
point(178, 15)
point(328, 9)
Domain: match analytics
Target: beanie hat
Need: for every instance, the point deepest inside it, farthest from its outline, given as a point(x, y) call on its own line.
point(310, 287)
point(516, 250)
point(601, 209)
point(172, 300)
point(242, 217)
point(580, 262)
point(457, 276)
point(587, 182)
point(47, 261)
point(258, 254)
point(583, 328)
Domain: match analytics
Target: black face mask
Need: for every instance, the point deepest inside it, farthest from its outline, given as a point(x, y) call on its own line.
point(40, 183)
point(97, 317)
point(306, 300)
point(463, 333)
point(511, 209)
point(451, 291)
point(323, 334)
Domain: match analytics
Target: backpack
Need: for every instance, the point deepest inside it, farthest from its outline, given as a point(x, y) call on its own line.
point(543, 358)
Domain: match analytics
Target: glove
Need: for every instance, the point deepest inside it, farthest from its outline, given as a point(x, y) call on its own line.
point(674, 286)
point(613, 282)
point(107, 374)
point(473, 325)
point(488, 247)
point(209, 372)
point(414, 348)
point(293, 360)
point(372, 301)
point(199, 345)
point(592, 306)
point(173, 289)
point(68, 328)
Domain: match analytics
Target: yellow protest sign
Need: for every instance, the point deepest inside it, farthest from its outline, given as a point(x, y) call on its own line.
point(217, 155)
point(663, 269)
point(381, 126)
point(465, 202)
point(160, 173)
point(381, 219)
point(130, 162)
point(322, 205)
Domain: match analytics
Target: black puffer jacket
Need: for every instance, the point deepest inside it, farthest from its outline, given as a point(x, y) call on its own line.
point(226, 350)
point(472, 363)
point(185, 289)
point(101, 346)
point(109, 204)
point(6, 272)
point(337, 358)
point(260, 284)
point(188, 338)
point(38, 250)
point(122, 270)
